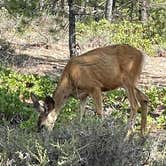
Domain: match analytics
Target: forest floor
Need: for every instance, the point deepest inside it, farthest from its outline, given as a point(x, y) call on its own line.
point(50, 60)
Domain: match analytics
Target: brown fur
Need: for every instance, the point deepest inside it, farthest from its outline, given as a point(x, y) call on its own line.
point(102, 69)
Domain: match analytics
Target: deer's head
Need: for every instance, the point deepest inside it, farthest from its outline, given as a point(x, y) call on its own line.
point(45, 108)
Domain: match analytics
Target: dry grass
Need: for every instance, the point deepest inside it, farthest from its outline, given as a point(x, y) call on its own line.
point(90, 143)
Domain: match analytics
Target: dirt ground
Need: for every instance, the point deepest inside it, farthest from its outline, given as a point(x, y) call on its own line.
point(154, 71)
point(51, 60)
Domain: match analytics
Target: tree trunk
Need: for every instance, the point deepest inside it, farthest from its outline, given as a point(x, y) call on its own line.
point(54, 6)
point(62, 4)
point(108, 9)
point(113, 6)
point(131, 10)
point(41, 5)
point(143, 11)
point(72, 36)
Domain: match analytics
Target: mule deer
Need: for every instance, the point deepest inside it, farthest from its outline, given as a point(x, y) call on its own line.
point(89, 74)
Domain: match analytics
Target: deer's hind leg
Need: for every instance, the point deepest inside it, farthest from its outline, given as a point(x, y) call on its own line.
point(143, 100)
point(132, 97)
point(83, 100)
point(97, 97)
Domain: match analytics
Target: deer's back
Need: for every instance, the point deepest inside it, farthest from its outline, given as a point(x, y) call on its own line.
point(105, 67)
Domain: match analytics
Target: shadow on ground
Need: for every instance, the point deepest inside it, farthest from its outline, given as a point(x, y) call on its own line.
point(42, 65)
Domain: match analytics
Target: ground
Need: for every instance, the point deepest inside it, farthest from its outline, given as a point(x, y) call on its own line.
point(44, 59)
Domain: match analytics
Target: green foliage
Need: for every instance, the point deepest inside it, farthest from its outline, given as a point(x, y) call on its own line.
point(157, 96)
point(12, 86)
point(21, 7)
point(20, 83)
point(124, 32)
point(155, 27)
point(69, 112)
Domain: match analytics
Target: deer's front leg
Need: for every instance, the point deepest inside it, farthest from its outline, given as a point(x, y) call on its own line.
point(97, 97)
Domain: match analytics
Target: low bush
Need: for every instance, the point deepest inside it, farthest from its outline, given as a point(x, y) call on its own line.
point(104, 33)
point(92, 142)
point(15, 89)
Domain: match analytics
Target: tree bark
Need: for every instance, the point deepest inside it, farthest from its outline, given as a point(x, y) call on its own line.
point(143, 11)
point(72, 36)
point(131, 10)
point(113, 6)
point(62, 4)
point(108, 9)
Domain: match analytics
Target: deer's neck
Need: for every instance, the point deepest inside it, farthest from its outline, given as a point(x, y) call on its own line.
point(62, 92)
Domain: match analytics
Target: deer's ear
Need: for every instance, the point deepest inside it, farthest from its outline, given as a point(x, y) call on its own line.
point(49, 103)
point(36, 103)
point(34, 100)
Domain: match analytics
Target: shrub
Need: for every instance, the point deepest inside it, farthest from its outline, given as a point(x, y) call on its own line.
point(92, 142)
point(15, 89)
point(21, 7)
point(104, 32)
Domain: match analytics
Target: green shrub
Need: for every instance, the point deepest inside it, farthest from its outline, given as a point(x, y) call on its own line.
point(13, 85)
point(157, 96)
point(21, 7)
point(104, 32)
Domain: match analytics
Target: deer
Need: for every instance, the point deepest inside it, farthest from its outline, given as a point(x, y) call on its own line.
point(96, 71)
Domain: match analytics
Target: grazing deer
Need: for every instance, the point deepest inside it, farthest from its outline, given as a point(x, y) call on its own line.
point(89, 74)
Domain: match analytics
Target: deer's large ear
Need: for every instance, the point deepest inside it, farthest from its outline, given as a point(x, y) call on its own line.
point(36, 103)
point(49, 103)
point(34, 100)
